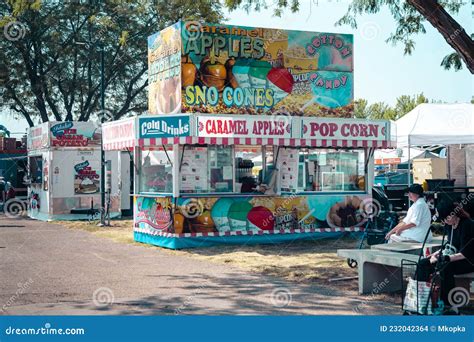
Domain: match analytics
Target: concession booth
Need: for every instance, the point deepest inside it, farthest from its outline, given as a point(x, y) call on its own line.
point(249, 138)
point(64, 172)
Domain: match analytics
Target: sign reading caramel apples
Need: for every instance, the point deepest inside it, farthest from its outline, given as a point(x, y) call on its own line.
point(207, 68)
point(246, 127)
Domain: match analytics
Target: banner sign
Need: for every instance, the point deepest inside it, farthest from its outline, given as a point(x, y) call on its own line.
point(244, 127)
point(119, 134)
point(37, 137)
point(387, 161)
point(164, 71)
point(75, 134)
point(164, 127)
point(340, 129)
point(209, 68)
point(86, 178)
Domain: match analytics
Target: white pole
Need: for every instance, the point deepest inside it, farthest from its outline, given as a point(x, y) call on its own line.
point(409, 167)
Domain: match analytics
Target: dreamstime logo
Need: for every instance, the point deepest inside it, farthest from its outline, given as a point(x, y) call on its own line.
point(192, 208)
point(369, 30)
point(284, 117)
point(458, 297)
point(459, 118)
point(15, 208)
point(377, 288)
point(103, 296)
point(281, 297)
point(104, 115)
point(454, 35)
point(370, 208)
point(192, 30)
point(22, 287)
point(14, 31)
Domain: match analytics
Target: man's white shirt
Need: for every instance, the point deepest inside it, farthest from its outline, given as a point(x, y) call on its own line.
point(419, 214)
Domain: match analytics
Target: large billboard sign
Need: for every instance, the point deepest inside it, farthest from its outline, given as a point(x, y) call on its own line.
point(206, 68)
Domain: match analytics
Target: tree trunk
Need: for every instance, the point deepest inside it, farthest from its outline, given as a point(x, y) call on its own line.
point(449, 28)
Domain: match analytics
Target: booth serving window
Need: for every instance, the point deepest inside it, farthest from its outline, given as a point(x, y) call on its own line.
point(156, 170)
point(331, 170)
point(248, 168)
point(36, 169)
point(206, 169)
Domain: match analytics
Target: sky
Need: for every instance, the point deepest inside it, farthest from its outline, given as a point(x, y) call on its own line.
point(381, 71)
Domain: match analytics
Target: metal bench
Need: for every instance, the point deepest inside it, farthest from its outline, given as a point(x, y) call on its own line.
point(407, 247)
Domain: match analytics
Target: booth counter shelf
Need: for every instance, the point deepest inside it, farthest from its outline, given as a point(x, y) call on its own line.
point(305, 177)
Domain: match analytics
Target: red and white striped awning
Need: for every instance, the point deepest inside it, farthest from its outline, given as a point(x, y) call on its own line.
point(120, 145)
point(124, 134)
point(149, 143)
point(248, 232)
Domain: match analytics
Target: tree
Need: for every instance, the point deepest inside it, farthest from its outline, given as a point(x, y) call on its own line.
point(50, 59)
point(381, 110)
point(361, 110)
point(409, 15)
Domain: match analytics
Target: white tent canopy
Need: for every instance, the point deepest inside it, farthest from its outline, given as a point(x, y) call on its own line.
point(443, 124)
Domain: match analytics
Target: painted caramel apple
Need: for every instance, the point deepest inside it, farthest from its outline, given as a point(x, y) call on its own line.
point(178, 223)
point(213, 74)
point(205, 219)
point(188, 72)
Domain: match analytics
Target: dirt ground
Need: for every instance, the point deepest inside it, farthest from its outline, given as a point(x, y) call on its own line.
point(300, 261)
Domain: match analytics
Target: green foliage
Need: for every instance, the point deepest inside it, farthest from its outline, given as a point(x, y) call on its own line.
point(381, 110)
point(52, 71)
point(409, 22)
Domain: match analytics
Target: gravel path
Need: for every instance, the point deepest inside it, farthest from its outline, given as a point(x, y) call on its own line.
point(47, 269)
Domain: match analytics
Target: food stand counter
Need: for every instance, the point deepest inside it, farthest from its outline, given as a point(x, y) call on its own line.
point(213, 179)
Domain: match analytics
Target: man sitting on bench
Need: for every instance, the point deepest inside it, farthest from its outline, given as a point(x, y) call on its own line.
point(415, 226)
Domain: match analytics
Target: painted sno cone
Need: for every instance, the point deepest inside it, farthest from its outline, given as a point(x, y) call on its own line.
point(220, 212)
point(281, 82)
point(241, 73)
point(238, 215)
point(261, 218)
point(258, 73)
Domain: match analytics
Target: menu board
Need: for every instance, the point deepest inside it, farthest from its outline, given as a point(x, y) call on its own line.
point(194, 170)
point(288, 160)
point(86, 178)
point(220, 172)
